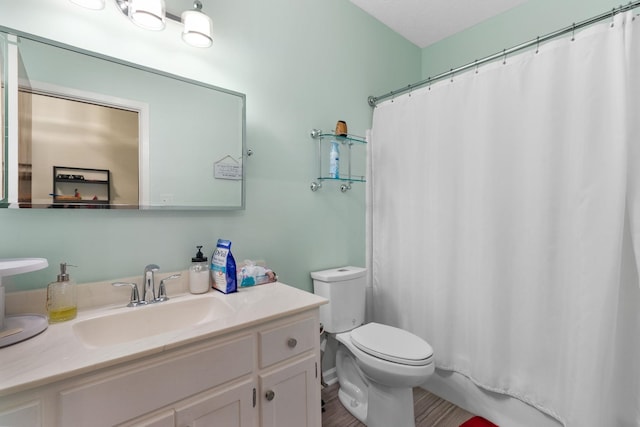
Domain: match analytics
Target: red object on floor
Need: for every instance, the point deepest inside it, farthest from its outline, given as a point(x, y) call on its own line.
point(477, 422)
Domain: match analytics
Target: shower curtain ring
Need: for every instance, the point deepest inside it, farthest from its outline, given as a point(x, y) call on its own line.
point(573, 32)
point(452, 74)
point(429, 82)
point(476, 61)
point(537, 44)
point(504, 56)
point(613, 14)
point(409, 87)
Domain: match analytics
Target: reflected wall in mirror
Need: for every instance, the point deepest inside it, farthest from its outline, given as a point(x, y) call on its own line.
point(162, 139)
point(62, 124)
point(57, 130)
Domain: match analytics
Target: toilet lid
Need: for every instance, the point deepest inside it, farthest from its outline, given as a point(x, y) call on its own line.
point(392, 344)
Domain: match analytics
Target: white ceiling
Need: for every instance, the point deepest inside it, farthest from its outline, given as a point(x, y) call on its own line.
point(424, 22)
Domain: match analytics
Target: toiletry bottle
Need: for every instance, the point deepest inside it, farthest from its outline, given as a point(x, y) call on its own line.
point(199, 273)
point(61, 297)
point(334, 160)
point(341, 128)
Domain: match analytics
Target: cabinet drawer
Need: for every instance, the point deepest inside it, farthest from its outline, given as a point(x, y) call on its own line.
point(286, 341)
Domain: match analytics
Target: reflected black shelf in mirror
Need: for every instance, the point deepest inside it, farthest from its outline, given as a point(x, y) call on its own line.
point(80, 187)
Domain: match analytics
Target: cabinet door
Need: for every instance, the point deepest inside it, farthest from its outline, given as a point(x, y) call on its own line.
point(290, 395)
point(160, 419)
point(228, 407)
point(27, 415)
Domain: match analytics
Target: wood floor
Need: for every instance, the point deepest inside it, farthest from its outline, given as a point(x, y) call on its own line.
point(430, 411)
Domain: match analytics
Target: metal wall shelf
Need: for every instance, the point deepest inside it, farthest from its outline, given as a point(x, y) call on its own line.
point(348, 141)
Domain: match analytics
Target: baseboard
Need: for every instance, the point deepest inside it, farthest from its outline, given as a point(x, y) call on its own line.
point(329, 376)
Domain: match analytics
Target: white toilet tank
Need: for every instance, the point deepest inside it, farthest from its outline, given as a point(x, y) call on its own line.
point(344, 287)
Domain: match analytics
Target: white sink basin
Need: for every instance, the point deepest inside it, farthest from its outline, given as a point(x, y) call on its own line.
point(142, 322)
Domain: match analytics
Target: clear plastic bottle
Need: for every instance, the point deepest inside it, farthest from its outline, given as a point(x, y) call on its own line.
point(334, 160)
point(199, 273)
point(62, 301)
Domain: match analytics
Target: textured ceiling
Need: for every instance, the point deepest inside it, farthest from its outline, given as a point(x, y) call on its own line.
point(424, 22)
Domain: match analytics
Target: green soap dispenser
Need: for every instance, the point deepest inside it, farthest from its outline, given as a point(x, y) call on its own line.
point(62, 301)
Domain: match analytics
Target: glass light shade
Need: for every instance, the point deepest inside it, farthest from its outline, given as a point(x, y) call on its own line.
point(90, 4)
point(198, 28)
point(148, 14)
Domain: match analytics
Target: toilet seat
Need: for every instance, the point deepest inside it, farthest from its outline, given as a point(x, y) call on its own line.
point(392, 344)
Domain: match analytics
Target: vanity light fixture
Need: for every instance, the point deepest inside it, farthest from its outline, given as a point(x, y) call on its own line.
point(198, 28)
point(152, 15)
point(148, 14)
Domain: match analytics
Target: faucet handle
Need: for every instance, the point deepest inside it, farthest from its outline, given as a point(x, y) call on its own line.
point(162, 289)
point(135, 295)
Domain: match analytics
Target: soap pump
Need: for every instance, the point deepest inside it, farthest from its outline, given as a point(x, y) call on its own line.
point(199, 273)
point(61, 297)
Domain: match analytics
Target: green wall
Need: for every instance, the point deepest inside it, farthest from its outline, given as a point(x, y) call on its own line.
point(303, 64)
point(520, 24)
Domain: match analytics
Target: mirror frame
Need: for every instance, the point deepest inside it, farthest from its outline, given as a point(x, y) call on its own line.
point(8, 86)
point(3, 120)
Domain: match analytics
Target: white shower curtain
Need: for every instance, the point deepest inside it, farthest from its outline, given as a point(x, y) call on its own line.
point(498, 231)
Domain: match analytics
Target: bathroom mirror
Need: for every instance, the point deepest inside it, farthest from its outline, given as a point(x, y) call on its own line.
point(3, 43)
point(95, 132)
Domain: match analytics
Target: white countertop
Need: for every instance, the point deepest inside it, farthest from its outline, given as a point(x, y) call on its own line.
point(58, 353)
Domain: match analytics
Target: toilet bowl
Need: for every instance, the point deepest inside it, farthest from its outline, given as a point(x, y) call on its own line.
point(377, 365)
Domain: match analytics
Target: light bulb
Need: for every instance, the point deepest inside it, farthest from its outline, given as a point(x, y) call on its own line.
point(148, 14)
point(197, 28)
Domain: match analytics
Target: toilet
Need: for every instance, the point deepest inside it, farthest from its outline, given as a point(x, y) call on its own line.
point(377, 365)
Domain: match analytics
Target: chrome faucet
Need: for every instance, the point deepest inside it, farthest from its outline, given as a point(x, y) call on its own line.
point(148, 284)
point(134, 300)
point(149, 288)
point(162, 290)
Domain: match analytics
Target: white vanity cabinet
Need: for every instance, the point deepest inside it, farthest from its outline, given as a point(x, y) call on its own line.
point(231, 406)
point(290, 395)
point(164, 418)
point(117, 395)
point(264, 374)
point(25, 414)
point(289, 382)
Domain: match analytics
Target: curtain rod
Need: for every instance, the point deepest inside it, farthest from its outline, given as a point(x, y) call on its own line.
point(373, 100)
